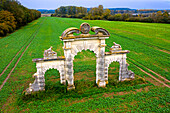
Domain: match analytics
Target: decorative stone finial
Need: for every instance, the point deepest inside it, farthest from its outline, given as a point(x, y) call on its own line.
point(50, 54)
point(115, 47)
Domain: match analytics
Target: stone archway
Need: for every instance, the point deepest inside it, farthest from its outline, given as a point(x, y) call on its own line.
point(74, 44)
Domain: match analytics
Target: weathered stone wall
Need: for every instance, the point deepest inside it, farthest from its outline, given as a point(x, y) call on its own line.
point(124, 74)
point(42, 67)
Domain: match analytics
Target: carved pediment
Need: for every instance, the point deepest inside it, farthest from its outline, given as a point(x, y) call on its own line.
point(84, 29)
point(100, 31)
point(69, 32)
point(50, 54)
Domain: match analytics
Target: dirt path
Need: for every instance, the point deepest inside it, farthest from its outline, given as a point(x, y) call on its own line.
point(19, 57)
point(152, 76)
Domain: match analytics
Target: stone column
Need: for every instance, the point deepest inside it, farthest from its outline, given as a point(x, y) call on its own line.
point(123, 71)
point(39, 82)
point(68, 66)
point(106, 66)
point(62, 76)
point(40, 78)
point(100, 65)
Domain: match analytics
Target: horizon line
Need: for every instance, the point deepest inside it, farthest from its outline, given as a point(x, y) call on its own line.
point(105, 8)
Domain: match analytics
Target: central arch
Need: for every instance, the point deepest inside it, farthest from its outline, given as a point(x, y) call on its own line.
point(71, 48)
point(79, 46)
point(84, 66)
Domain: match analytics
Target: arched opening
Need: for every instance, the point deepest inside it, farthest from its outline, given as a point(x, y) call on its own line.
point(84, 69)
point(52, 79)
point(113, 73)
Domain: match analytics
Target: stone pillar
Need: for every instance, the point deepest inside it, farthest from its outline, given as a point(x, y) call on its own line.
point(124, 73)
point(68, 66)
point(39, 82)
point(100, 65)
point(62, 76)
point(106, 66)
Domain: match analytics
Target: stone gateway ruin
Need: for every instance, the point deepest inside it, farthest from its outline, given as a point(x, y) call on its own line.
point(74, 44)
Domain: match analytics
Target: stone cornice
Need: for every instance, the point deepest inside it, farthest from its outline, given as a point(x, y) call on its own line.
point(42, 59)
point(117, 52)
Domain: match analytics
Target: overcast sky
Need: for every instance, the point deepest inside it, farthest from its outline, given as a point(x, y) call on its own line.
point(134, 4)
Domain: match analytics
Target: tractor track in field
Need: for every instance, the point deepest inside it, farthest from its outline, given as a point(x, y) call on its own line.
point(153, 72)
point(35, 33)
point(16, 54)
point(152, 75)
point(14, 57)
point(11, 60)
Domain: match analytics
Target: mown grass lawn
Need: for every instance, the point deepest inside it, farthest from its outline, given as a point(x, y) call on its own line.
point(149, 46)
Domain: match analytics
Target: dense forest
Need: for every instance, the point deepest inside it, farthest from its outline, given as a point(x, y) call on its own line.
point(14, 15)
point(99, 13)
point(70, 12)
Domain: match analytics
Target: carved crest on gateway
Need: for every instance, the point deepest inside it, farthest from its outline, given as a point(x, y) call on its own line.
point(85, 28)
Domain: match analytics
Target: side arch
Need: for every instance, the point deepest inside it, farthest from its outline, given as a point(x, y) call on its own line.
point(42, 67)
point(59, 67)
point(124, 73)
point(108, 61)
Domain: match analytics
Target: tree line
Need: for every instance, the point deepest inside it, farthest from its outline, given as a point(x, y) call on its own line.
point(14, 15)
point(99, 13)
point(70, 12)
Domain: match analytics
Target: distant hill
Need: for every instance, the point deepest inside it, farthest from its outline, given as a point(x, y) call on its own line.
point(88, 9)
point(121, 9)
point(45, 11)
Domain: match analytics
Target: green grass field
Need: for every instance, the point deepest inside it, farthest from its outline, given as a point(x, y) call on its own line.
point(149, 45)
